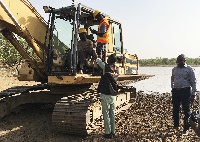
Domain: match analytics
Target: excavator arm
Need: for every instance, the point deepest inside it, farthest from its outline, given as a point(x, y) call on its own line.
point(27, 23)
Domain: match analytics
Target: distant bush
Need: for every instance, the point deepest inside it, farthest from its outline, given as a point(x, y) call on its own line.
point(9, 55)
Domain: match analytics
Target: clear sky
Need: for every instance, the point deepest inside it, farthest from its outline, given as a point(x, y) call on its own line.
point(151, 28)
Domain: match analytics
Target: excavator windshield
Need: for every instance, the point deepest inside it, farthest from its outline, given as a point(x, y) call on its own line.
point(61, 55)
point(62, 35)
point(62, 38)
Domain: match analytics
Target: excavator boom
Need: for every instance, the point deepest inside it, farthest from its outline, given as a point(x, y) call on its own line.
point(27, 23)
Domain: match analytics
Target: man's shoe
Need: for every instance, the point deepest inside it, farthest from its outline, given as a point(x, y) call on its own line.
point(185, 132)
point(113, 134)
point(108, 136)
point(175, 127)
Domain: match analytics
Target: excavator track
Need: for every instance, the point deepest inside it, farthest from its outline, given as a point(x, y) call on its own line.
point(77, 107)
point(81, 114)
point(18, 95)
point(22, 89)
point(72, 114)
point(41, 93)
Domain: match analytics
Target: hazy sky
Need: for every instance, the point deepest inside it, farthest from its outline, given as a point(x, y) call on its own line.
point(151, 28)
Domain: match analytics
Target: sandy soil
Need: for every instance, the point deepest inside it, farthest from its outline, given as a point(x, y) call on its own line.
point(149, 119)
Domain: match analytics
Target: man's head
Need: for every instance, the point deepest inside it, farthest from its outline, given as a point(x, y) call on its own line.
point(111, 59)
point(111, 62)
point(82, 33)
point(97, 15)
point(181, 60)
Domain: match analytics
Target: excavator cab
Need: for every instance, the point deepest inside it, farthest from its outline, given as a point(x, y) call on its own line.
point(62, 38)
point(54, 43)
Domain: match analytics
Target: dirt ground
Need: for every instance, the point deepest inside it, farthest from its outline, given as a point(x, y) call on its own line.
point(148, 119)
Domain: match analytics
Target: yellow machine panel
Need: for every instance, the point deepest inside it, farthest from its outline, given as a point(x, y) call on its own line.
point(26, 16)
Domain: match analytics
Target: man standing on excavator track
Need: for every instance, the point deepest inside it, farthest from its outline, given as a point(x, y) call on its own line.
point(108, 90)
point(102, 34)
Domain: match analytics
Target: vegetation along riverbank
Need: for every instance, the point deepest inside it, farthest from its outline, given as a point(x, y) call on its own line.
point(167, 62)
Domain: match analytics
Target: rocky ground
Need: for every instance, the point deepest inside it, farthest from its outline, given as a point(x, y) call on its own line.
point(149, 119)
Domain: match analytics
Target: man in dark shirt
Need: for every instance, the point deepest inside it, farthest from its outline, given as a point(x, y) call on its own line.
point(108, 90)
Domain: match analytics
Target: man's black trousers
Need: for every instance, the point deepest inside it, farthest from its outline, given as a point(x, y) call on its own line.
point(181, 96)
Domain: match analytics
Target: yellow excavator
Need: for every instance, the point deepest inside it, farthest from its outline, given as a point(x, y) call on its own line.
point(77, 107)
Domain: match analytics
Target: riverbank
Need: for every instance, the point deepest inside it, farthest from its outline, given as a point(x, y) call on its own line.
point(149, 119)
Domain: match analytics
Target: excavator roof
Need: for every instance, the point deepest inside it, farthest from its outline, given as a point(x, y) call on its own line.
point(87, 12)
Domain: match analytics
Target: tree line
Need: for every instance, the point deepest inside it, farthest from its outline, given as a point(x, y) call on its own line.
point(167, 61)
point(10, 56)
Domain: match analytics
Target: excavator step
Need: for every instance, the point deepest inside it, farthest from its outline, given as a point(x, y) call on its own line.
point(22, 89)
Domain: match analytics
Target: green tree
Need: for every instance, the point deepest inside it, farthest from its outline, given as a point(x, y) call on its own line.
point(9, 55)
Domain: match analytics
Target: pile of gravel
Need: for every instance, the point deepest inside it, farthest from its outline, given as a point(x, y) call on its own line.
point(148, 119)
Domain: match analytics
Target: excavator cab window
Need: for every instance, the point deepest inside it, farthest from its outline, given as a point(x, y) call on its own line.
point(62, 35)
point(116, 38)
point(63, 39)
point(60, 42)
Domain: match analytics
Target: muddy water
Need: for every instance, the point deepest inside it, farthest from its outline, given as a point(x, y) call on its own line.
point(161, 82)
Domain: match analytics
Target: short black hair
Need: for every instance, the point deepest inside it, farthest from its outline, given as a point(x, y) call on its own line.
point(111, 59)
point(181, 57)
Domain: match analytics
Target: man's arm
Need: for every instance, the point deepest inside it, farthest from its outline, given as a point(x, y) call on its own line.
point(90, 44)
point(193, 81)
point(100, 63)
point(172, 79)
point(91, 49)
point(102, 31)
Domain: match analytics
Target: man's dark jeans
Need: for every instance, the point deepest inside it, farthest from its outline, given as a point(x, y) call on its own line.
point(101, 48)
point(181, 96)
